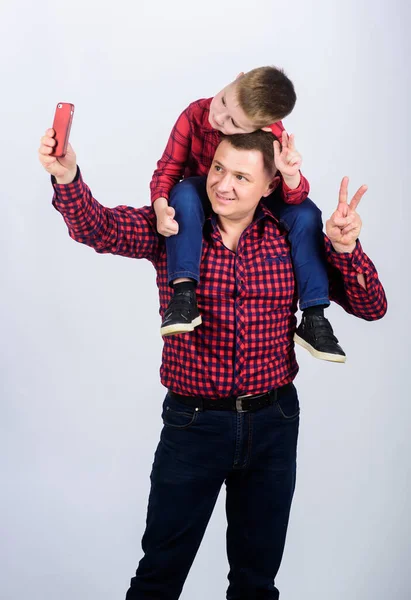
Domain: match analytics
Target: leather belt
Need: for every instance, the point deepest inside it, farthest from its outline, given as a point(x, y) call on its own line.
point(243, 403)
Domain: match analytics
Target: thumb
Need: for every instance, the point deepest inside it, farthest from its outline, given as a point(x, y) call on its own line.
point(170, 212)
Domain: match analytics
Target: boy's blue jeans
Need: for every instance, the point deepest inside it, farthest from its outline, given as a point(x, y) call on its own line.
point(254, 455)
point(302, 222)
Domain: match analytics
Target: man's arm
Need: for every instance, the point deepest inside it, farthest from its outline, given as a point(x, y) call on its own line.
point(354, 282)
point(123, 230)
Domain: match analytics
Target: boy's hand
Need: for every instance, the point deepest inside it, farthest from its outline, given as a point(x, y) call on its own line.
point(64, 169)
point(166, 224)
point(344, 226)
point(288, 160)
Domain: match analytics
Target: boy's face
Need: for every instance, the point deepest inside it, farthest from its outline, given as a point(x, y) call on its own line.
point(226, 115)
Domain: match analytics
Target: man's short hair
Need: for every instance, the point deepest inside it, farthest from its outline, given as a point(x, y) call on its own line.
point(258, 140)
point(266, 95)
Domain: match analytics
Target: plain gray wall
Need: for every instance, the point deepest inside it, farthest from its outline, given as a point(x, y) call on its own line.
point(80, 404)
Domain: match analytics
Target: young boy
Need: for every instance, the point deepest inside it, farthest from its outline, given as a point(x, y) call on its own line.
point(258, 99)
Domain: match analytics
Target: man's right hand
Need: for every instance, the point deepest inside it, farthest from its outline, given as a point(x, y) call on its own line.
point(166, 224)
point(64, 168)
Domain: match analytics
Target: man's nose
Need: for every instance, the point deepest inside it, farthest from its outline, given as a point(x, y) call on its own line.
point(225, 184)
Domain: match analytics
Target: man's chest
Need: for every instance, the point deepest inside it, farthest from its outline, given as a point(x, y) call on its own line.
point(260, 272)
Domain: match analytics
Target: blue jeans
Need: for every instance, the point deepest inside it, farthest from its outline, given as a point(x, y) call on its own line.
point(302, 222)
point(254, 454)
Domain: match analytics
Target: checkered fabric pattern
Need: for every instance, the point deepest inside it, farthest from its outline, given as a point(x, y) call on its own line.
point(247, 299)
point(190, 151)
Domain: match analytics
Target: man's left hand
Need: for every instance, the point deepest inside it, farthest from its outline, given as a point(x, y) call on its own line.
point(344, 226)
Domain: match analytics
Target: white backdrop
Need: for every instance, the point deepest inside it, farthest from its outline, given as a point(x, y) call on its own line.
point(80, 391)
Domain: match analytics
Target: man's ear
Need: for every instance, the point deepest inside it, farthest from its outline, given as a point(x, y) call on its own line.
point(272, 185)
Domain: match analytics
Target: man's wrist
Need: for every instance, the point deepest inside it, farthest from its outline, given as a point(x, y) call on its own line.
point(343, 248)
point(67, 178)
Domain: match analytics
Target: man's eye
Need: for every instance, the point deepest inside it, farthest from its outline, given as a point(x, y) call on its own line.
point(241, 178)
point(217, 168)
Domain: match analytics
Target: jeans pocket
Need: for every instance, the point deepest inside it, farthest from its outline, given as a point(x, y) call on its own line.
point(288, 406)
point(176, 414)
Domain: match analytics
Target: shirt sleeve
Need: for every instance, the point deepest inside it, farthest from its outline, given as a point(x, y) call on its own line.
point(123, 230)
point(370, 303)
point(171, 166)
point(299, 194)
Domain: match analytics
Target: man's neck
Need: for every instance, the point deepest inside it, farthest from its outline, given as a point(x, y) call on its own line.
point(231, 230)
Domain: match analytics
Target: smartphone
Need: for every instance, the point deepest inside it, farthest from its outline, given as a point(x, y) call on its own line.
point(63, 118)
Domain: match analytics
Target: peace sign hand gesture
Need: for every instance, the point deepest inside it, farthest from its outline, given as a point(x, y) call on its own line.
point(344, 226)
point(287, 159)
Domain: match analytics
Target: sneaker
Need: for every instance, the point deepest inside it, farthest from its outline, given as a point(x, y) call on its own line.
point(316, 335)
point(182, 314)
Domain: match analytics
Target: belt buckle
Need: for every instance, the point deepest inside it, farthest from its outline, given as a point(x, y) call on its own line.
point(239, 404)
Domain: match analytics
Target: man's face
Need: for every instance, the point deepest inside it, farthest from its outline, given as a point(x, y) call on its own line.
point(236, 182)
point(226, 115)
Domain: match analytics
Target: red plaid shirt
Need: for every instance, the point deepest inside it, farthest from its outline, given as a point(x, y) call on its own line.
point(247, 299)
point(190, 151)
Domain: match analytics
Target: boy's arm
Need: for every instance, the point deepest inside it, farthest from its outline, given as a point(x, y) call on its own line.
point(294, 186)
point(172, 164)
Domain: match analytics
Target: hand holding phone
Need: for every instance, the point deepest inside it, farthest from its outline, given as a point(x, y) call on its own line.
point(63, 118)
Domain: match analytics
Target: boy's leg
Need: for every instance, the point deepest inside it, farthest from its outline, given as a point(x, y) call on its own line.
point(185, 481)
point(188, 199)
point(305, 233)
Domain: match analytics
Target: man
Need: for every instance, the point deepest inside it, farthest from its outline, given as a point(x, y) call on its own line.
point(232, 413)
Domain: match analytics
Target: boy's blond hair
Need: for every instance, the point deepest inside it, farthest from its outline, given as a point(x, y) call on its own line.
point(266, 95)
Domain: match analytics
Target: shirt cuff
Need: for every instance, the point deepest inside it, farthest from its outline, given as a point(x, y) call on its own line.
point(354, 263)
point(159, 194)
point(67, 193)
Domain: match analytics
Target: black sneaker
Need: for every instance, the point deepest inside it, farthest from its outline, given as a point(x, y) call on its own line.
point(316, 335)
point(182, 314)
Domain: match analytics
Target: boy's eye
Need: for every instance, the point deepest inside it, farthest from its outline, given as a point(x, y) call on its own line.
point(223, 101)
point(234, 123)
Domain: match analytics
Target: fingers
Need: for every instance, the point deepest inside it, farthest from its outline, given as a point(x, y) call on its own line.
point(293, 158)
point(357, 197)
point(343, 194)
point(166, 225)
point(349, 228)
point(285, 140)
point(47, 141)
point(277, 151)
point(342, 222)
point(291, 142)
